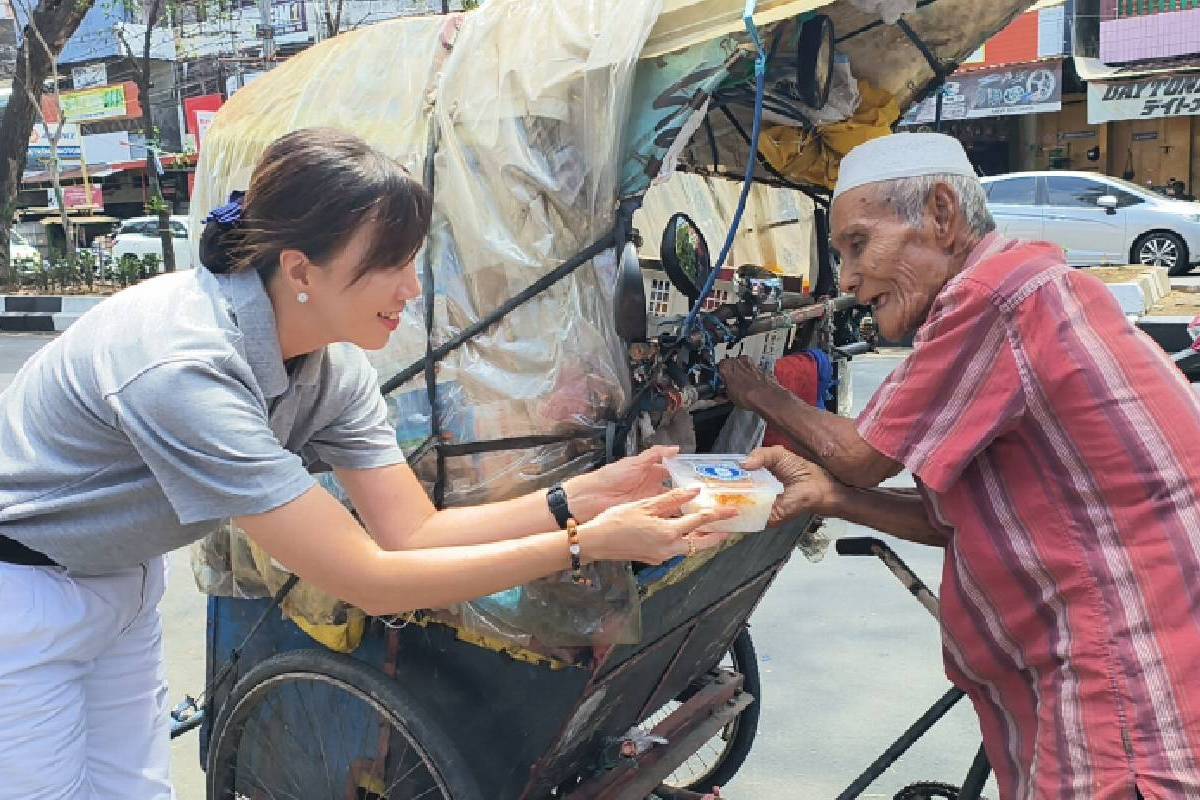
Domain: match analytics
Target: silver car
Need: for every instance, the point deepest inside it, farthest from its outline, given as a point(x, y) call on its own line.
point(1097, 219)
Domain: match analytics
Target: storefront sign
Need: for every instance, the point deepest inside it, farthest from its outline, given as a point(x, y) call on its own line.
point(89, 77)
point(1144, 98)
point(40, 150)
point(1068, 136)
point(1028, 89)
point(1148, 136)
point(76, 197)
point(106, 102)
point(200, 112)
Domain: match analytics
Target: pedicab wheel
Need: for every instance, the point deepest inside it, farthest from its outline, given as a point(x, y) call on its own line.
point(927, 790)
point(315, 725)
point(721, 757)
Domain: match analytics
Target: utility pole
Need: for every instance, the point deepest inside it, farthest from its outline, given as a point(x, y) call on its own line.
point(266, 30)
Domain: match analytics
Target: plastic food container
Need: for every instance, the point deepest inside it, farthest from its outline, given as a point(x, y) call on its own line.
point(725, 483)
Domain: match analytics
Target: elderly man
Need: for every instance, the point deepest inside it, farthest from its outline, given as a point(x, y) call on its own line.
point(1056, 453)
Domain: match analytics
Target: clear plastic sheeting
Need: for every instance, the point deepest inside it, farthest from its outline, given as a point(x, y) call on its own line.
point(526, 139)
point(777, 231)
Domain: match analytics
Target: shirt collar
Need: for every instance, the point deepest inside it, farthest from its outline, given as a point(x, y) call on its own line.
point(255, 318)
point(991, 244)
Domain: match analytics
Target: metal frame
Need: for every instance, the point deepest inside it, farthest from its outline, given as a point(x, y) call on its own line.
point(972, 786)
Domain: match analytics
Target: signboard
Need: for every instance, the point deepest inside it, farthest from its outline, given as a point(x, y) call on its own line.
point(1143, 98)
point(1027, 89)
point(105, 102)
point(40, 151)
point(200, 112)
point(76, 197)
point(89, 77)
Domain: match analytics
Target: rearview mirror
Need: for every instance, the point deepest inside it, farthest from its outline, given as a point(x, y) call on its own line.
point(1108, 202)
point(685, 256)
point(629, 300)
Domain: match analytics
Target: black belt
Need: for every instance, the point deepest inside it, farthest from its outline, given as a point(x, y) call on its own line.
point(13, 552)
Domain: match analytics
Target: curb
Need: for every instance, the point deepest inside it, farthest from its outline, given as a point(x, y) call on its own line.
point(42, 313)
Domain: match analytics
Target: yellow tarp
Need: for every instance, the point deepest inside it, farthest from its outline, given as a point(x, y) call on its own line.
point(813, 157)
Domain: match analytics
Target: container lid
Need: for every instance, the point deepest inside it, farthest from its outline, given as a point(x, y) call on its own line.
point(721, 472)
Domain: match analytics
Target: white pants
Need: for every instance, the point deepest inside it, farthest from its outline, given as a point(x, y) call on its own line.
point(83, 696)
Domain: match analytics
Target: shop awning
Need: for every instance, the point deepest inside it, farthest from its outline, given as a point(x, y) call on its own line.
point(95, 171)
point(94, 219)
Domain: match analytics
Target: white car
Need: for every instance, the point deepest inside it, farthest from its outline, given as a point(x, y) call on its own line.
point(20, 250)
point(139, 237)
point(1097, 219)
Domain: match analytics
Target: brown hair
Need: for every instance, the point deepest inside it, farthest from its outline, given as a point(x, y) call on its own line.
point(311, 191)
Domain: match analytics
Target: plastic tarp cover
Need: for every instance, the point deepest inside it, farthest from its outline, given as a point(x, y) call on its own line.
point(777, 232)
point(529, 133)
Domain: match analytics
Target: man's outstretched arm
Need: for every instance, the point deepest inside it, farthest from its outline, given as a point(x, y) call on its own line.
point(832, 441)
point(809, 489)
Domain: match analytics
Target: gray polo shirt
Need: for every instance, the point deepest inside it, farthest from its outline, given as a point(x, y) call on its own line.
point(167, 409)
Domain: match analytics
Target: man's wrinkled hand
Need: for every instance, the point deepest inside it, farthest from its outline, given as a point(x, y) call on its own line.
point(807, 488)
point(745, 383)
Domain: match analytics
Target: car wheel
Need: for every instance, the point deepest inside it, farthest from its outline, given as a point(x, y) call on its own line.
point(1162, 249)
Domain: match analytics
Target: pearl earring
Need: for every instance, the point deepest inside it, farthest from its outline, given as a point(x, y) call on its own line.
point(302, 297)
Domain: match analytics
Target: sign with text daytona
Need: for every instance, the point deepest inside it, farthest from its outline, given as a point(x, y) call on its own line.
point(1144, 98)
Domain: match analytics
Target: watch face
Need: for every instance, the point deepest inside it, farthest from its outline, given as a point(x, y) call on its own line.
point(575, 550)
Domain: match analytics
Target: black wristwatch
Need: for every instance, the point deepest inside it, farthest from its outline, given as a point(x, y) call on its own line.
point(556, 498)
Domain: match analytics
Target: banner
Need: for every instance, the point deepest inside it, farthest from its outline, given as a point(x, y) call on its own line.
point(89, 77)
point(105, 102)
point(1026, 89)
point(200, 112)
point(76, 197)
point(1143, 98)
point(40, 151)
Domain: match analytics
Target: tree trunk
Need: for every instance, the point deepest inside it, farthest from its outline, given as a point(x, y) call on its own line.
point(158, 202)
point(57, 21)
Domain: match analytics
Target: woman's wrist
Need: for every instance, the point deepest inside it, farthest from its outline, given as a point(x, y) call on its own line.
point(582, 501)
point(592, 539)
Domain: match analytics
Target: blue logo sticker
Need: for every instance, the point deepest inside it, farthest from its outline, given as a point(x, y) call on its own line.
point(721, 472)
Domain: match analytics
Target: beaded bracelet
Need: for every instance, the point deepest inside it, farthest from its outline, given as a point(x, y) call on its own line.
point(576, 552)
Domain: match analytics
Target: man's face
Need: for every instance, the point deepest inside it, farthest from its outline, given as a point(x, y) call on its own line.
point(896, 269)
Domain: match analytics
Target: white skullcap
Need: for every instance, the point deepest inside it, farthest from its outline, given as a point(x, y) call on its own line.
point(902, 155)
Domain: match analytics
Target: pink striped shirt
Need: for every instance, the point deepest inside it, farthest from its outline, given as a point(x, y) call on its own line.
point(1061, 449)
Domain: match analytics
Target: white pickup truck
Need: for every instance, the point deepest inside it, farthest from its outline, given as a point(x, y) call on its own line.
point(139, 237)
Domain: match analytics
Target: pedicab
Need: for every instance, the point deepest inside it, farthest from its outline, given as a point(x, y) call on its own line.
point(584, 156)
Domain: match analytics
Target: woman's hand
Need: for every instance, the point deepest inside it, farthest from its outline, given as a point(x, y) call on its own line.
point(651, 530)
point(807, 488)
point(633, 478)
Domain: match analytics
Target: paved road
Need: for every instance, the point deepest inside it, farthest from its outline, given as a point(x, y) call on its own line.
point(848, 660)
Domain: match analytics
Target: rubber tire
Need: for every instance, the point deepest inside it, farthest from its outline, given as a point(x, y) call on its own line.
point(1182, 267)
point(448, 761)
point(746, 662)
point(927, 790)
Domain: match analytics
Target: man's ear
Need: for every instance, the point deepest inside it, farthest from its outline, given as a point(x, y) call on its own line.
point(945, 213)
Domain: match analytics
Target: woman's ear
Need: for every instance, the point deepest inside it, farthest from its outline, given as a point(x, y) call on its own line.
point(296, 270)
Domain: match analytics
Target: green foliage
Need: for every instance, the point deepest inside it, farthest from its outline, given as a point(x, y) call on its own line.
point(129, 269)
point(85, 267)
point(157, 205)
point(151, 265)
